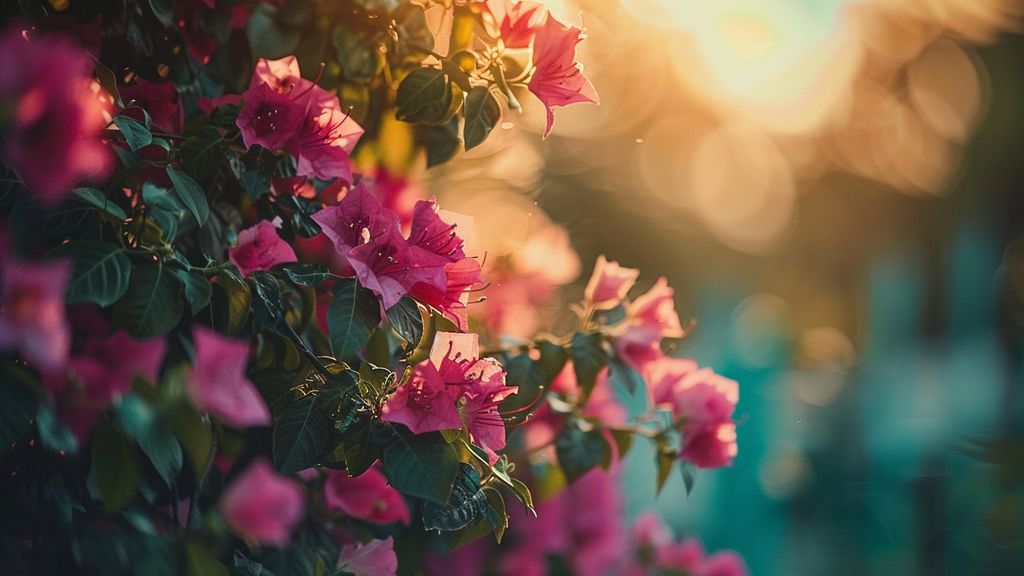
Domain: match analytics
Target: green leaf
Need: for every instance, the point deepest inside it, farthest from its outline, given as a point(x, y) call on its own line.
point(589, 358)
point(665, 459)
point(580, 451)
point(267, 38)
point(152, 305)
point(422, 466)
point(200, 562)
point(357, 54)
point(98, 199)
point(304, 273)
point(442, 142)
point(689, 473)
point(522, 491)
point(134, 133)
point(467, 504)
point(267, 306)
point(407, 319)
point(191, 194)
point(482, 114)
point(352, 317)
point(375, 382)
point(300, 435)
point(233, 302)
point(163, 10)
point(198, 289)
point(195, 436)
point(412, 40)
point(108, 81)
point(101, 271)
point(115, 466)
point(17, 406)
point(54, 435)
point(153, 434)
point(202, 153)
point(623, 441)
point(425, 96)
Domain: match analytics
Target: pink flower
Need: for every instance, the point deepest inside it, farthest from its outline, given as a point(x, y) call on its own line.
point(366, 497)
point(56, 112)
point(218, 384)
point(654, 551)
point(105, 369)
point(705, 402)
point(260, 248)
point(638, 345)
point(326, 141)
point(558, 79)
point(356, 218)
point(517, 20)
point(389, 266)
point(270, 118)
point(32, 314)
point(664, 376)
point(657, 307)
point(725, 563)
point(486, 391)
point(609, 284)
point(375, 558)
point(712, 446)
point(160, 100)
point(262, 507)
point(397, 192)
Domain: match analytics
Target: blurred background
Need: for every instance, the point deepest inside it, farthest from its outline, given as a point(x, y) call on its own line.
point(834, 187)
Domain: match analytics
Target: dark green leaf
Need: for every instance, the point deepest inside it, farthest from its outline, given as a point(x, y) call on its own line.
point(115, 466)
point(482, 114)
point(623, 441)
point(352, 317)
point(522, 491)
point(267, 38)
point(197, 289)
point(191, 194)
point(589, 358)
point(580, 451)
point(249, 567)
point(689, 472)
point(152, 305)
point(256, 182)
point(202, 154)
point(425, 95)
point(412, 41)
point(442, 142)
point(195, 436)
point(407, 319)
point(98, 199)
point(134, 133)
point(101, 271)
point(358, 55)
point(300, 435)
point(17, 406)
point(423, 466)
point(54, 435)
point(200, 562)
point(466, 505)
point(153, 434)
point(267, 306)
point(665, 459)
point(233, 302)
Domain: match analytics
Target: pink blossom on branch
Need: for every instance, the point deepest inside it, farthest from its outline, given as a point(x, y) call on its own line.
point(374, 558)
point(609, 284)
point(558, 79)
point(260, 248)
point(32, 314)
point(262, 507)
point(218, 384)
point(517, 20)
point(366, 497)
point(56, 113)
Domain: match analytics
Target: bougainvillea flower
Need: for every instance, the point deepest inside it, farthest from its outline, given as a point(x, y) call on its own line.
point(639, 345)
point(433, 234)
point(293, 186)
point(389, 266)
point(355, 219)
point(32, 314)
point(656, 307)
point(517, 20)
point(712, 446)
point(366, 497)
point(705, 402)
point(160, 100)
point(325, 142)
point(558, 79)
point(269, 118)
point(262, 507)
point(486, 390)
point(281, 75)
point(725, 563)
point(609, 284)
point(664, 375)
point(260, 248)
point(218, 384)
point(453, 300)
point(55, 113)
point(374, 558)
point(397, 192)
point(425, 403)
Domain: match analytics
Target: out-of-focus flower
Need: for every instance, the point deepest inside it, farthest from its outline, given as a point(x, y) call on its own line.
point(397, 192)
point(32, 314)
point(218, 384)
point(194, 18)
point(655, 551)
point(609, 284)
point(262, 507)
point(103, 371)
point(55, 112)
point(374, 558)
point(260, 248)
point(367, 497)
point(649, 318)
point(160, 100)
point(558, 79)
point(663, 376)
point(517, 20)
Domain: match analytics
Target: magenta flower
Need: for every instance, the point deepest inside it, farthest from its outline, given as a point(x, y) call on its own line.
point(355, 219)
point(657, 307)
point(325, 142)
point(56, 113)
point(260, 248)
point(609, 284)
point(433, 234)
point(262, 507)
point(486, 390)
point(270, 118)
point(453, 300)
point(517, 20)
point(389, 266)
point(426, 403)
point(705, 402)
point(32, 314)
point(558, 79)
point(366, 497)
point(664, 375)
point(374, 558)
point(160, 100)
point(218, 384)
